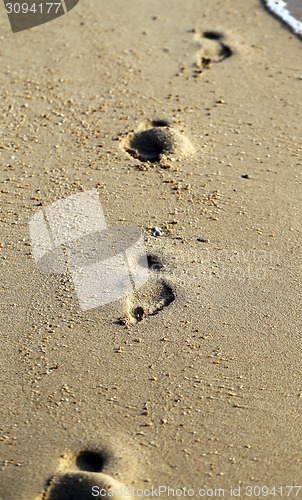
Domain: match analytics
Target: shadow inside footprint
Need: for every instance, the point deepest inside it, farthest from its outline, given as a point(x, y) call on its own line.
point(160, 123)
point(150, 144)
point(70, 486)
point(213, 35)
point(91, 461)
point(225, 52)
point(154, 263)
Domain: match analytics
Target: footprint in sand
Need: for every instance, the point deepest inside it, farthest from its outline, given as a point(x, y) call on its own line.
point(211, 49)
point(80, 476)
point(156, 141)
point(156, 295)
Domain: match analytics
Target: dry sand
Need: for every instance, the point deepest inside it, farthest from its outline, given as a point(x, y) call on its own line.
point(208, 392)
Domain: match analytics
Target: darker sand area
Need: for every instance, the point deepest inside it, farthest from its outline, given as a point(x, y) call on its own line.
point(295, 7)
point(203, 387)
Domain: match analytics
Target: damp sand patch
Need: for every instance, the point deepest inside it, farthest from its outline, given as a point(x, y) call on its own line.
point(289, 12)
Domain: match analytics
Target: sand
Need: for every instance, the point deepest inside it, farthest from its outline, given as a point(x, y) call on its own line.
point(206, 393)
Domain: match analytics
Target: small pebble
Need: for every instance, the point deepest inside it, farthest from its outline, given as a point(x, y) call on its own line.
point(156, 231)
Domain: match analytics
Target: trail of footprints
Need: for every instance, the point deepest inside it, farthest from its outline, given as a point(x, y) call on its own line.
point(155, 141)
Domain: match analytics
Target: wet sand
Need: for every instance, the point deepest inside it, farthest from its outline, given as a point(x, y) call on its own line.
point(205, 391)
point(289, 12)
point(295, 7)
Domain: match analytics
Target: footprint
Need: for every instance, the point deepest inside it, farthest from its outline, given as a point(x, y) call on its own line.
point(212, 49)
point(154, 262)
point(156, 141)
point(80, 476)
point(150, 299)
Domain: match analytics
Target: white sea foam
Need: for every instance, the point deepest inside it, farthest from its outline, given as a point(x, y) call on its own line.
point(280, 8)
